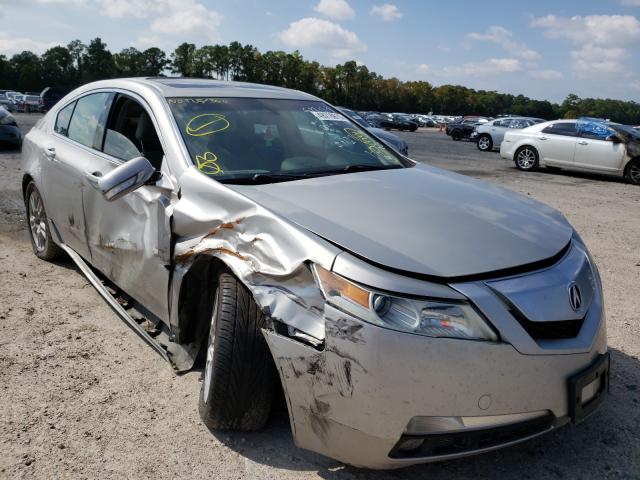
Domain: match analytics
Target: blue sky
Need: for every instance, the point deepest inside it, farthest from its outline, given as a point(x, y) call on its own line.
point(544, 49)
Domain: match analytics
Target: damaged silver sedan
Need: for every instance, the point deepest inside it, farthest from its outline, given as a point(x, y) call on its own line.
point(410, 314)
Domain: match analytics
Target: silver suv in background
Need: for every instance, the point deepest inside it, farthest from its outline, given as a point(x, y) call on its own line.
point(489, 135)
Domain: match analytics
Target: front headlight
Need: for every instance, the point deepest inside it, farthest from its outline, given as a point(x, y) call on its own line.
point(432, 318)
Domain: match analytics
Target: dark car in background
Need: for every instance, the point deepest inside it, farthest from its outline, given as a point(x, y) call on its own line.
point(50, 97)
point(393, 140)
point(390, 121)
point(462, 129)
point(10, 134)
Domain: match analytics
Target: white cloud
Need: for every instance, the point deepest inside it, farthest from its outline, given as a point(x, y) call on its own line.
point(132, 8)
point(423, 68)
point(606, 30)
point(493, 66)
point(635, 85)
point(631, 3)
point(338, 9)
point(68, 3)
point(315, 32)
point(387, 12)
point(593, 60)
point(10, 46)
point(546, 75)
point(600, 41)
point(503, 37)
point(191, 19)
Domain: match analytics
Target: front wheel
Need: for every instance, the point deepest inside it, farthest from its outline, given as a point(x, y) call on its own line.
point(632, 172)
point(239, 378)
point(485, 143)
point(39, 233)
point(527, 159)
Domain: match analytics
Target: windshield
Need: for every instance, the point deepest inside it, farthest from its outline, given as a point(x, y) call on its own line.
point(252, 140)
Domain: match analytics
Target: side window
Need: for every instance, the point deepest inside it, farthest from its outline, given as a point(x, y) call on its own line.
point(63, 119)
point(85, 127)
point(131, 133)
point(563, 128)
point(499, 123)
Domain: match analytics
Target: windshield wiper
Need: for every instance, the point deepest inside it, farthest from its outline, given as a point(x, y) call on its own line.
point(356, 168)
point(262, 178)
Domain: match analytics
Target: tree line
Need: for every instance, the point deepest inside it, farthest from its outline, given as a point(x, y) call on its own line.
point(348, 84)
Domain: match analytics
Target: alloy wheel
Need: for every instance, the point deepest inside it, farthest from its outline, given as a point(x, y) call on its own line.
point(483, 143)
point(526, 158)
point(37, 221)
point(634, 173)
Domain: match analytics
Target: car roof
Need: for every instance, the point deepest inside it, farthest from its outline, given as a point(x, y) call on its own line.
point(199, 87)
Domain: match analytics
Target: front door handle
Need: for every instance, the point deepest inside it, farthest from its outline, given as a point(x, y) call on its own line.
point(583, 143)
point(50, 153)
point(543, 138)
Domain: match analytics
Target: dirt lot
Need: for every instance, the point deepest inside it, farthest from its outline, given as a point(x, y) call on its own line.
point(82, 397)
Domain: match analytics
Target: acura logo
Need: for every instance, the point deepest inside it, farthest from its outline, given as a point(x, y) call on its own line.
point(575, 297)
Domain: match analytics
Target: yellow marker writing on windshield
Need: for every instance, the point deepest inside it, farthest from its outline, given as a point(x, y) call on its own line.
point(207, 163)
point(206, 124)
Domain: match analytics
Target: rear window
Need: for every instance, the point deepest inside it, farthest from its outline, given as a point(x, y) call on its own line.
point(563, 128)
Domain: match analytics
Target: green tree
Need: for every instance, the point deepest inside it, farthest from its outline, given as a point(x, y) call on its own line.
point(58, 68)
point(182, 59)
point(97, 62)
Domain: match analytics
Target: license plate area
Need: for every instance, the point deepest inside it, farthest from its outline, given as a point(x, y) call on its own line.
point(588, 389)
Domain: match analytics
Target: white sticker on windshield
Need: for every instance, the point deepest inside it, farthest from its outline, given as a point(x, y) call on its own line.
point(329, 116)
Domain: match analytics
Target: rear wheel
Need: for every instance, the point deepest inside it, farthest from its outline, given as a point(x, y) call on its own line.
point(39, 232)
point(527, 159)
point(239, 377)
point(485, 143)
point(632, 172)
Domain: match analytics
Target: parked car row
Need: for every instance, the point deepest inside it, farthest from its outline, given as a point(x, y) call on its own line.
point(14, 101)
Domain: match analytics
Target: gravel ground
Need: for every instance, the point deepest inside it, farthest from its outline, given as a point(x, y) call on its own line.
point(82, 397)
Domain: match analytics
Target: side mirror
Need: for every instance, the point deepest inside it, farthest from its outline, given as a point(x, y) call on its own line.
point(613, 138)
point(123, 179)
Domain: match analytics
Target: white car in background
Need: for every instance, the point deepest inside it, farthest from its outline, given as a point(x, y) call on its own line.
point(489, 135)
point(583, 145)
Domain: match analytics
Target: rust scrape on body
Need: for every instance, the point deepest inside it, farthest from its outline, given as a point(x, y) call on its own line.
point(223, 226)
point(317, 413)
point(188, 255)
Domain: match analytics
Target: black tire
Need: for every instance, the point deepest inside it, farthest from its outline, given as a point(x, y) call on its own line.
point(239, 379)
point(485, 143)
point(526, 158)
point(38, 225)
point(632, 172)
point(455, 135)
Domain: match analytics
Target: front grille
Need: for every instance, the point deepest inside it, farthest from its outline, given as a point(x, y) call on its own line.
point(543, 330)
point(435, 445)
point(551, 330)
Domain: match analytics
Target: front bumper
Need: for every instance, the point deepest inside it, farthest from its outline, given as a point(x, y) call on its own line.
point(354, 400)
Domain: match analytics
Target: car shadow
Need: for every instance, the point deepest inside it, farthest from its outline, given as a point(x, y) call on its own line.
point(606, 444)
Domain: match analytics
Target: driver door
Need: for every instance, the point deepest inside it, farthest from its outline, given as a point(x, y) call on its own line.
point(130, 238)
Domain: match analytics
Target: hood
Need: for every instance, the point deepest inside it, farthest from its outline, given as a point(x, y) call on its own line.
point(421, 220)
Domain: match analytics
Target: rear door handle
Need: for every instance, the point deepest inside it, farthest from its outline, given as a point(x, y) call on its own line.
point(50, 153)
point(583, 143)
